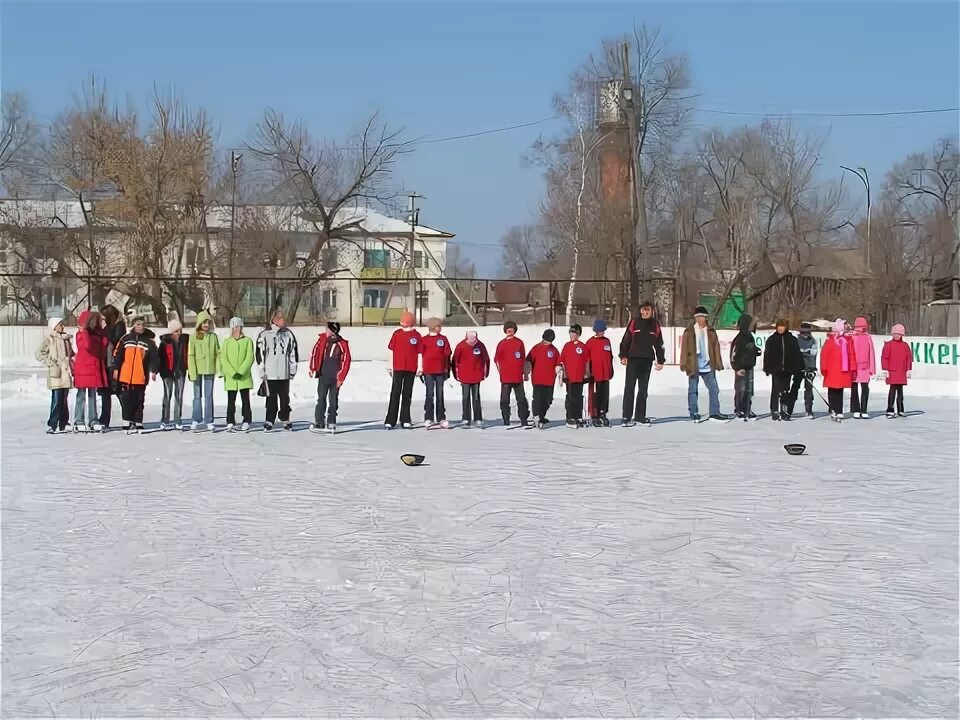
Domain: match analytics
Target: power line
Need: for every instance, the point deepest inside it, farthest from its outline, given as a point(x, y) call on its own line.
point(487, 132)
point(886, 113)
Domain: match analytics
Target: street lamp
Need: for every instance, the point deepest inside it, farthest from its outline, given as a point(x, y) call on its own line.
point(861, 173)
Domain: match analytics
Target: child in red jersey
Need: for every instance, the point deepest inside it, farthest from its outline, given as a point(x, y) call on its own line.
point(471, 365)
point(406, 345)
point(574, 361)
point(544, 361)
point(436, 370)
point(509, 361)
point(600, 353)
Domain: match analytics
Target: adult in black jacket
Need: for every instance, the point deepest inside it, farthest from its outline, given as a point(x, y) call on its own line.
point(115, 328)
point(743, 359)
point(641, 346)
point(781, 360)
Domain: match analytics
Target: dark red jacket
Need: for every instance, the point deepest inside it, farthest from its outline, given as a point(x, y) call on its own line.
point(436, 354)
point(509, 360)
point(320, 348)
point(471, 363)
point(406, 346)
point(544, 359)
point(90, 366)
point(600, 352)
point(897, 359)
point(574, 359)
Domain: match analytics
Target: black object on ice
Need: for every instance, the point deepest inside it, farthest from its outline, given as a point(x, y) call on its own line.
point(411, 459)
point(794, 448)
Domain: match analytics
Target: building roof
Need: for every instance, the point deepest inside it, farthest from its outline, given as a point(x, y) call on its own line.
point(828, 263)
point(69, 213)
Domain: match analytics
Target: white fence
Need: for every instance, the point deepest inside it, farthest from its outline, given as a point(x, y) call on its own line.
point(935, 358)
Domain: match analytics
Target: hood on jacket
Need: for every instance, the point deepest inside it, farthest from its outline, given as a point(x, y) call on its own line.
point(147, 333)
point(53, 322)
point(861, 324)
point(84, 320)
point(745, 323)
point(202, 317)
point(839, 327)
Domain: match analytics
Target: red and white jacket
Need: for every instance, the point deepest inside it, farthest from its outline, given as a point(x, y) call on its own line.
point(324, 347)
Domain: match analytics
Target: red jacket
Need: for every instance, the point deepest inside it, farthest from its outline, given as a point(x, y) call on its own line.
point(544, 359)
point(90, 366)
point(600, 352)
point(574, 359)
point(509, 360)
point(406, 346)
point(836, 374)
point(897, 359)
point(471, 363)
point(316, 357)
point(436, 355)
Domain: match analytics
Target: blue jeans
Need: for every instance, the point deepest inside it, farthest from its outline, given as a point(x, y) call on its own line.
point(203, 390)
point(86, 398)
point(710, 380)
point(59, 412)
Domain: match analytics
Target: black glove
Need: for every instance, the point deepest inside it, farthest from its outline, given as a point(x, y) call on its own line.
point(810, 374)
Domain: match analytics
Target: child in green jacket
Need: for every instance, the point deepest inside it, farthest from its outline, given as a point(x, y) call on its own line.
point(202, 369)
point(236, 364)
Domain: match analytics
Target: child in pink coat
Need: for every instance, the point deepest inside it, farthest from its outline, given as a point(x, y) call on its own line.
point(896, 360)
point(866, 367)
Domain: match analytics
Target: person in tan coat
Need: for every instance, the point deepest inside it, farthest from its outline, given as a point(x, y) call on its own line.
point(56, 353)
point(700, 359)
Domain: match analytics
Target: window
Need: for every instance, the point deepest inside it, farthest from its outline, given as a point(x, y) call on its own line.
point(423, 299)
point(374, 298)
point(379, 258)
point(201, 252)
point(328, 299)
point(419, 259)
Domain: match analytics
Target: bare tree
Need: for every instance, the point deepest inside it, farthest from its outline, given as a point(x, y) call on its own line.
point(522, 251)
point(330, 183)
point(18, 134)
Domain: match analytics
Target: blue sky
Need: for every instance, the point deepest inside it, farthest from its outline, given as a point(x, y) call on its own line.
point(441, 69)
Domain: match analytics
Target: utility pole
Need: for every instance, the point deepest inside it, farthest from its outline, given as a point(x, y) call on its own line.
point(861, 173)
point(637, 203)
point(234, 166)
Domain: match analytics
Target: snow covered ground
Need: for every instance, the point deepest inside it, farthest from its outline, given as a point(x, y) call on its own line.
point(679, 569)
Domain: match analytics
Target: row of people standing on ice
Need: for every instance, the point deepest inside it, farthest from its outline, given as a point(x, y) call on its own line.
point(847, 361)
point(110, 360)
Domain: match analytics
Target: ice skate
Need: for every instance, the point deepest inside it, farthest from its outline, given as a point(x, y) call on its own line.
point(645, 422)
point(604, 421)
point(891, 415)
point(288, 425)
point(331, 429)
point(268, 427)
point(406, 425)
point(79, 428)
point(229, 427)
point(194, 426)
point(51, 431)
point(97, 427)
point(627, 422)
point(901, 414)
point(444, 425)
point(245, 427)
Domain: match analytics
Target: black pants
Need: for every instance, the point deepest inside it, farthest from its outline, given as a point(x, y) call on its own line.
point(743, 392)
point(542, 400)
point(434, 384)
point(106, 405)
point(523, 410)
point(471, 402)
point(635, 401)
point(835, 400)
point(859, 397)
point(574, 404)
point(895, 393)
point(328, 400)
point(244, 406)
point(807, 393)
point(599, 398)
point(59, 409)
point(131, 401)
point(400, 394)
point(279, 397)
point(779, 392)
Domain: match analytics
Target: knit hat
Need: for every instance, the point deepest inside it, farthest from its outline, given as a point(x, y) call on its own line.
point(471, 337)
point(599, 326)
point(861, 322)
point(805, 327)
point(53, 322)
point(549, 335)
point(175, 325)
point(236, 322)
point(700, 311)
point(509, 325)
point(407, 319)
point(576, 329)
point(839, 326)
point(898, 329)
point(434, 323)
point(334, 327)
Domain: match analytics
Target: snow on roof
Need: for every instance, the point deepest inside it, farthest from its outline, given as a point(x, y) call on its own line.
point(41, 213)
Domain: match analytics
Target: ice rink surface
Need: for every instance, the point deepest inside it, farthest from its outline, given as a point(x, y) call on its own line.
point(683, 569)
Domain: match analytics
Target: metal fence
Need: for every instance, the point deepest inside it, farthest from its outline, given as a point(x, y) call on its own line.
point(29, 299)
